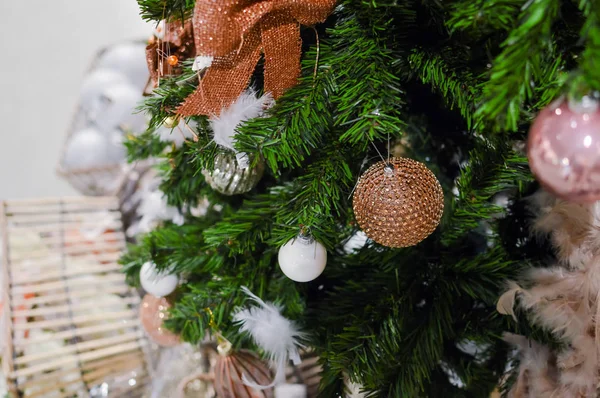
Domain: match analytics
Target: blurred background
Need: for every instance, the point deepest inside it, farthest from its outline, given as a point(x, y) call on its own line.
point(47, 47)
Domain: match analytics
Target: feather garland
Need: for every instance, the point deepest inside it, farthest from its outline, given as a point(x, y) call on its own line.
point(247, 106)
point(279, 337)
point(564, 299)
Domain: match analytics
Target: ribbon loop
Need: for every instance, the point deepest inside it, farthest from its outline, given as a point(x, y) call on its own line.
point(235, 32)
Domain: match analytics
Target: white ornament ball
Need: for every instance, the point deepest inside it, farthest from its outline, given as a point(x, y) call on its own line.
point(128, 59)
point(302, 259)
point(118, 109)
point(155, 283)
point(91, 148)
point(95, 83)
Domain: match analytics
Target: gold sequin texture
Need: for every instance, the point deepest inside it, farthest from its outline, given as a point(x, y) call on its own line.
point(400, 205)
point(235, 33)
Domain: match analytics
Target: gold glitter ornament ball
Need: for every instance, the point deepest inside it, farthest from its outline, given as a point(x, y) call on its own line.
point(398, 203)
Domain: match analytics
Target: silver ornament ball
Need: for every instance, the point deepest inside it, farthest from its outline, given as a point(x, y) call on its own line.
point(229, 178)
point(118, 109)
point(89, 148)
point(94, 85)
point(129, 59)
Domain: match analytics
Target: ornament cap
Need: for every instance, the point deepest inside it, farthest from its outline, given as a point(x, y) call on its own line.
point(225, 347)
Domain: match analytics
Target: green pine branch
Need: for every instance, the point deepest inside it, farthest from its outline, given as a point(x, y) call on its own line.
point(518, 67)
point(157, 10)
point(590, 32)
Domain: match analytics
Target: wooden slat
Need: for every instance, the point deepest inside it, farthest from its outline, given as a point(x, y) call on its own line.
point(78, 281)
point(92, 201)
point(53, 323)
point(67, 389)
point(87, 369)
point(82, 358)
point(114, 225)
point(93, 216)
point(79, 348)
point(75, 250)
point(54, 262)
point(74, 239)
point(68, 308)
point(7, 357)
point(53, 273)
point(106, 362)
point(50, 377)
point(79, 332)
point(73, 294)
point(101, 374)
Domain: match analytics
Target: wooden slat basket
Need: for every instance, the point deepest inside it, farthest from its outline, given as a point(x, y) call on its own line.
point(72, 326)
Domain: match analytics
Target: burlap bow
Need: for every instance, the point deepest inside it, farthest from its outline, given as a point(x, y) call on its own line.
point(178, 40)
point(235, 32)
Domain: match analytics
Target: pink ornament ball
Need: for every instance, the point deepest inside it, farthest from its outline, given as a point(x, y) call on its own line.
point(153, 311)
point(564, 149)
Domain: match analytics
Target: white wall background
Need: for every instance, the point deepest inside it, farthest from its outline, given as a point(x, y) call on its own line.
point(45, 50)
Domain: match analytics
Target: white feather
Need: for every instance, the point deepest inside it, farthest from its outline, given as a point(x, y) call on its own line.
point(279, 337)
point(246, 107)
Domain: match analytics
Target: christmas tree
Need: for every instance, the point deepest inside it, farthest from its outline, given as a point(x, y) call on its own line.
point(286, 104)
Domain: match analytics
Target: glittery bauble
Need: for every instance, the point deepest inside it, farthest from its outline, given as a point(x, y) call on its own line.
point(564, 149)
point(229, 178)
point(232, 366)
point(398, 204)
point(153, 311)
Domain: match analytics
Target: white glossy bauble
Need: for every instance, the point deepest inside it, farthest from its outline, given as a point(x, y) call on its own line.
point(302, 259)
point(129, 59)
point(118, 110)
point(94, 85)
point(157, 284)
point(91, 148)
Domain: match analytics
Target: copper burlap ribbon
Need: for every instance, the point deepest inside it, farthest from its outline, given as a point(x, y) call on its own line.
point(235, 32)
point(178, 41)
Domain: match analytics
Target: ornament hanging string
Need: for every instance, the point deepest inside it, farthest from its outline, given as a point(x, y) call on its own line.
point(234, 33)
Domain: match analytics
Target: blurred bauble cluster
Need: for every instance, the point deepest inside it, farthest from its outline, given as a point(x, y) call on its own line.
point(94, 158)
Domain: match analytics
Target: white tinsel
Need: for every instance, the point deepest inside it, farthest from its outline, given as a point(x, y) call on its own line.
point(277, 336)
point(247, 106)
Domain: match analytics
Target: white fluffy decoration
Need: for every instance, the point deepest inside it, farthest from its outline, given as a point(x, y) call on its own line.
point(202, 62)
point(153, 209)
point(247, 106)
point(277, 336)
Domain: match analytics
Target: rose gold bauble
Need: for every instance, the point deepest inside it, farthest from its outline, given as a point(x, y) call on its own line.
point(231, 367)
point(398, 204)
point(564, 149)
point(153, 311)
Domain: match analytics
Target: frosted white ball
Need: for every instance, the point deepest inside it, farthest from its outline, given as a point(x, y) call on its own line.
point(95, 83)
point(302, 259)
point(129, 59)
point(157, 284)
point(118, 109)
point(92, 148)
